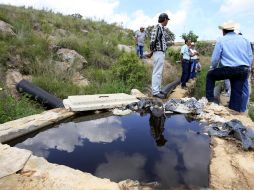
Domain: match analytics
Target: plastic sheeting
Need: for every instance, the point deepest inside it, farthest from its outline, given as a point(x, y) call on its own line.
point(235, 129)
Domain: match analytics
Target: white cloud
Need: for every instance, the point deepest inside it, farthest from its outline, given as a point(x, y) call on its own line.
point(237, 6)
point(100, 9)
point(120, 166)
point(104, 130)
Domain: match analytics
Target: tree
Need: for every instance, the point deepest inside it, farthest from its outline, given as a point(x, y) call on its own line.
point(193, 37)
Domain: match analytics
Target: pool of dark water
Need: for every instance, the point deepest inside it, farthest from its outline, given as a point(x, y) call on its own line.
point(169, 150)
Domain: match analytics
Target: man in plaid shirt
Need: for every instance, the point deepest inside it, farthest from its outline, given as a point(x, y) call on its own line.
point(158, 47)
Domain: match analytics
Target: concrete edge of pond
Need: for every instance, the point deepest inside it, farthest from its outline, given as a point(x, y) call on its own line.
point(13, 129)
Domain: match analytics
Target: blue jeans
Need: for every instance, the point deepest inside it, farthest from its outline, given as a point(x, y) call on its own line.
point(140, 50)
point(185, 72)
point(193, 68)
point(238, 77)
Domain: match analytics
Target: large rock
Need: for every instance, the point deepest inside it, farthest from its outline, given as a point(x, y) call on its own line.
point(13, 77)
point(125, 48)
point(79, 80)
point(60, 32)
point(6, 29)
point(75, 60)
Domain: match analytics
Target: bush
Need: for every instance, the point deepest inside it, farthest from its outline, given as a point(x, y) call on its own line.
point(131, 72)
point(204, 48)
point(175, 55)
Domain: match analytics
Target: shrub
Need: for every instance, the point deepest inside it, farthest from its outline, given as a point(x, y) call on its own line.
point(204, 48)
point(131, 72)
point(174, 55)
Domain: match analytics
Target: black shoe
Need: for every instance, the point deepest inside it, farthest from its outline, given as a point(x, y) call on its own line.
point(160, 95)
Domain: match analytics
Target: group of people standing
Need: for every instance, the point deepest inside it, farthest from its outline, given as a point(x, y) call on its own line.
point(231, 60)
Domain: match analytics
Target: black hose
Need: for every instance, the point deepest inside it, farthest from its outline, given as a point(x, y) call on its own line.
point(170, 87)
point(40, 95)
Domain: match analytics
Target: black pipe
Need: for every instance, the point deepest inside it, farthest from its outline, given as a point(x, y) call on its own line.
point(170, 87)
point(40, 95)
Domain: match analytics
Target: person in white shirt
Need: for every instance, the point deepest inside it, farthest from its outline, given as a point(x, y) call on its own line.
point(140, 41)
point(193, 60)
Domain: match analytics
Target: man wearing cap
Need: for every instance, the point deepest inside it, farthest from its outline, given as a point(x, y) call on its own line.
point(158, 47)
point(234, 54)
point(140, 41)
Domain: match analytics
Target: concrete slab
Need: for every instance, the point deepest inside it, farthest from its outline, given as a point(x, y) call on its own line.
point(97, 102)
point(13, 129)
point(12, 160)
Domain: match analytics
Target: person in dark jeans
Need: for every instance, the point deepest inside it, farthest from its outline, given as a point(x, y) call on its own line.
point(157, 128)
point(234, 54)
point(186, 62)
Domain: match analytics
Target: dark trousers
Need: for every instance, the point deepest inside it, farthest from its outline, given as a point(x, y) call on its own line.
point(238, 77)
point(140, 50)
point(193, 68)
point(185, 72)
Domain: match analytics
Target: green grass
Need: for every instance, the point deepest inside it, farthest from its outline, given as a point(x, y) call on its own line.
point(11, 109)
point(251, 112)
point(108, 70)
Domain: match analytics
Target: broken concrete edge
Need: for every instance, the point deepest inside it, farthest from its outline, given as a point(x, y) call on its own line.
point(54, 176)
point(12, 159)
point(26, 125)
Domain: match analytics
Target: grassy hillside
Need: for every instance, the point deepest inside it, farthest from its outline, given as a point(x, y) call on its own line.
point(37, 33)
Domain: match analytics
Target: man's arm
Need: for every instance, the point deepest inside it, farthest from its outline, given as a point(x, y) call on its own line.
point(216, 56)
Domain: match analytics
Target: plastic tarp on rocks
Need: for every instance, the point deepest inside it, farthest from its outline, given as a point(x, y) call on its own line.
point(235, 129)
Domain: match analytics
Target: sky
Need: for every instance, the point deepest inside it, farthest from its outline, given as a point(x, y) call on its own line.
point(201, 16)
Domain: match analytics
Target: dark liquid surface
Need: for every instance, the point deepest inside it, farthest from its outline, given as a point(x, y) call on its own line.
point(168, 150)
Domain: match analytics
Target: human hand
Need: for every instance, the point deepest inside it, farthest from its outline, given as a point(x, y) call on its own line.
point(149, 55)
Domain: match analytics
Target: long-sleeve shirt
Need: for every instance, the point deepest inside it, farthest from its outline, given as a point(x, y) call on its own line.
point(232, 50)
point(185, 51)
point(158, 39)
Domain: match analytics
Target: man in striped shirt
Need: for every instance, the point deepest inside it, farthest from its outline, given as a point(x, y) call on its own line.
point(158, 46)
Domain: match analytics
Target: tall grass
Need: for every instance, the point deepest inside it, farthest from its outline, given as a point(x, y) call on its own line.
point(11, 109)
point(199, 90)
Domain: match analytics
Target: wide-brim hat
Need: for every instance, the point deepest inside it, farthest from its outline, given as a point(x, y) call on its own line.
point(230, 25)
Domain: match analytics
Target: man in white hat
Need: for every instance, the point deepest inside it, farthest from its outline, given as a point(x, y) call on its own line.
point(231, 59)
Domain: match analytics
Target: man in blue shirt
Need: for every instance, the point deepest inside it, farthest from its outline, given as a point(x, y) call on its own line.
point(231, 59)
